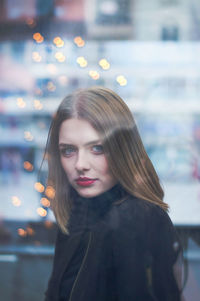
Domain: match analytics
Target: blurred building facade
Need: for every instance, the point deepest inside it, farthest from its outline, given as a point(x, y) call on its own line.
point(147, 52)
point(102, 19)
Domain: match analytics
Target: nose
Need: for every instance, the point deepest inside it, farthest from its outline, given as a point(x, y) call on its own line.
point(82, 162)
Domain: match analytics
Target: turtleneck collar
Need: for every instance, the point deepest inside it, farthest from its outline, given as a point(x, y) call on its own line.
point(87, 211)
point(107, 197)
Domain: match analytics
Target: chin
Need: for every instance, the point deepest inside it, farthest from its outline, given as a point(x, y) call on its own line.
point(88, 192)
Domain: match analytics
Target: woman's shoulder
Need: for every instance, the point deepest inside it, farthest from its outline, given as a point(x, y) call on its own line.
point(137, 207)
point(137, 213)
point(142, 221)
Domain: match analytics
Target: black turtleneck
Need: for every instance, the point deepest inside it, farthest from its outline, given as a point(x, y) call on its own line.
point(85, 214)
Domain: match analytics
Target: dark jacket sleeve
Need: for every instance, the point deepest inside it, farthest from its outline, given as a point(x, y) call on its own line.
point(145, 250)
point(49, 293)
point(52, 289)
point(167, 259)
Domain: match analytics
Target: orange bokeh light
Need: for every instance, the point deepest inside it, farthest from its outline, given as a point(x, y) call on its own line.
point(38, 37)
point(41, 211)
point(50, 192)
point(28, 166)
point(45, 202)
point(30, 231)
point(79, 41)
point(58, 42)
point(39, 187)
point(21, 232)
point(48, 224)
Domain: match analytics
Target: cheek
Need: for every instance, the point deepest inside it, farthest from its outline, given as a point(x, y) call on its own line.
point(102, 165)
point(66, 166)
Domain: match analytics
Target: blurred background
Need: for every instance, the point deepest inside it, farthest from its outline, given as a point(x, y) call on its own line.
point(146, 51)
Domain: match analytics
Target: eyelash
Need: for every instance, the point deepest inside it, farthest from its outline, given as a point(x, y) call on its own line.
point(64, 150)
point(98, 152)
point(73, 149)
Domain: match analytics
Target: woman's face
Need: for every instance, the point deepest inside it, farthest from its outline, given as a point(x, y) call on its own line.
point(83, 159)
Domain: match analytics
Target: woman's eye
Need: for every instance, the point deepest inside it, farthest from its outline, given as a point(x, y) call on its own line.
point(67, 151)
point(98, 149)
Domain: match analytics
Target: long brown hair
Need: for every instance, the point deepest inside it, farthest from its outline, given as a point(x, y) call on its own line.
point(127, 158)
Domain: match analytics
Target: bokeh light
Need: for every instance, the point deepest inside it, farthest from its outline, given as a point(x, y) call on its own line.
point(28, 166)
point(79, 41)
point(30, 231)
point(121, 80)
point(39, 187)
point(104, 64)
point(60, 57)
point(50, 192)
point(21, 232)
point(30, 22)
point(16, 201)
point(41, 211)
point(58, 42)
point(82, 61)
point(36, 56)
point(45, 202)
point(94, 74)
point(38, 37)
point(20, 102)
point(50, 86)
point(38, 105)
point(28, 136)
point(48, 224)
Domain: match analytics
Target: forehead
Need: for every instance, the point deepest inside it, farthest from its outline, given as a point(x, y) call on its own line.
point(77, 130)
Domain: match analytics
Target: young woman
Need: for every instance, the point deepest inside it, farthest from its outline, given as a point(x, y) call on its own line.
point(115, 241)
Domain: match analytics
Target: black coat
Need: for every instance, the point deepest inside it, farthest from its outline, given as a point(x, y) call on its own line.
point(130, 256)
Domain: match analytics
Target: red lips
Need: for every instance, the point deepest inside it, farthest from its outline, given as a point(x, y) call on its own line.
point(84, 181)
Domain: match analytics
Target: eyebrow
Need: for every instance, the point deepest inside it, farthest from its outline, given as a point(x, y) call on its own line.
point(87, 144)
